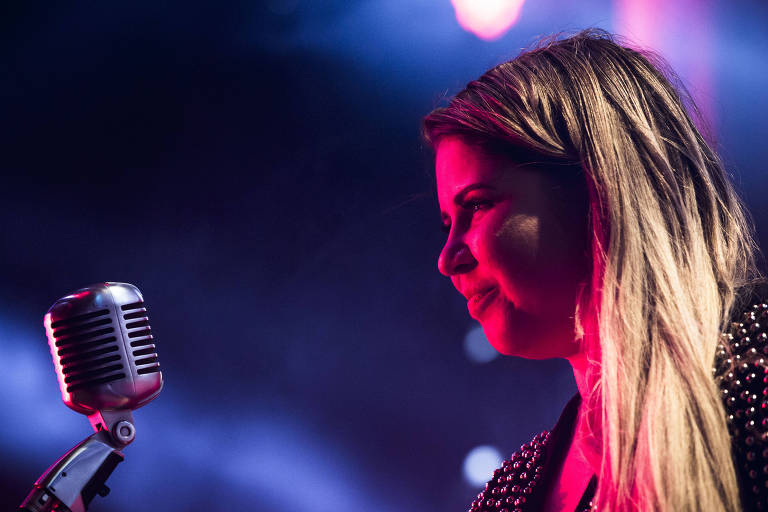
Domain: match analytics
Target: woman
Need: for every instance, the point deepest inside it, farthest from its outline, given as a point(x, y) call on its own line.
point(588, 219)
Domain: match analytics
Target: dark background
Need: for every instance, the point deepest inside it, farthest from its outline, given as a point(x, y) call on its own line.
point(255, 168)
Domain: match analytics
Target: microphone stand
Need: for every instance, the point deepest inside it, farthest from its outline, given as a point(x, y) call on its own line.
point(79, 475)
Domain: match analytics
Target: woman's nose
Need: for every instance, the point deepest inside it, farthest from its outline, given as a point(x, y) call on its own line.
point(455, 258)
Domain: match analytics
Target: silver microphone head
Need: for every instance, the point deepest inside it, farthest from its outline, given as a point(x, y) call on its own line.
point(103, 349)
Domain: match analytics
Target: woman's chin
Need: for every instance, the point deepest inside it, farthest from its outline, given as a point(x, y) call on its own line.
point(508, 348)
point(505, 344)
point(528, 338)
point(510, 335)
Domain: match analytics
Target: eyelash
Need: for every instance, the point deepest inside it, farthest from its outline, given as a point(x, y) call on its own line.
point(471, 205)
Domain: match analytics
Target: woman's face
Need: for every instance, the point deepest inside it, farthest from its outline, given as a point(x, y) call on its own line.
point(517, 247)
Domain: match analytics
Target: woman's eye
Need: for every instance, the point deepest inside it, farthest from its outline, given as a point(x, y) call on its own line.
point(477, 204)
point(471, 206)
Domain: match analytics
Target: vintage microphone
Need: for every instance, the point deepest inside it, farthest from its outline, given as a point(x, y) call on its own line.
point(106, 364)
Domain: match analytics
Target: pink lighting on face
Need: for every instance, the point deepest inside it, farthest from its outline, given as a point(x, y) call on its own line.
point(487, 19)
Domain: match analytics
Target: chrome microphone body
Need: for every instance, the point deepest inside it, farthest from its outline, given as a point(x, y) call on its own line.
point(106, 364)
point(103, 349)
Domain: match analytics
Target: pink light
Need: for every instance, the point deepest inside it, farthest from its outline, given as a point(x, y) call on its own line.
point(681, 31)
point(487, 19)
point(641, 20)
point(56, 359)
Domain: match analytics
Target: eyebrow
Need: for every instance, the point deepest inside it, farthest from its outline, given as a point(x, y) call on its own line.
point(459, 198)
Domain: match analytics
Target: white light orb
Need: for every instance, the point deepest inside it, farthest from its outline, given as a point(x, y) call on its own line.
point(480, 463)
point(477, 347)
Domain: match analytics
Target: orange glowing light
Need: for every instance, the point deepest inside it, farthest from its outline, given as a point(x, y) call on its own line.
point(487, 19)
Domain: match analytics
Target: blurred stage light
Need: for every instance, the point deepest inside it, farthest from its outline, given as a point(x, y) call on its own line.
point(480, 463)
point(31, 393)
point(477, 347)
point(487, 19)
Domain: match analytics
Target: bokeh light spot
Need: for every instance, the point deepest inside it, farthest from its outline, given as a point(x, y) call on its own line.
point(477, 347)
point(487, 19)
point(480, 463)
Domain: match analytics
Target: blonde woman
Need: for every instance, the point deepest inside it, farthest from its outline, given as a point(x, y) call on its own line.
point(588, 219)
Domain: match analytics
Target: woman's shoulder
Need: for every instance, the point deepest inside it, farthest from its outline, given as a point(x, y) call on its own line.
point(513, 483)
point(523, 480)
point(743, 349)
point(741, 372)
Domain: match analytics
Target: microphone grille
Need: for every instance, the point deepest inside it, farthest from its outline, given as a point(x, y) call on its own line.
point(88, 350)
point(136, 325)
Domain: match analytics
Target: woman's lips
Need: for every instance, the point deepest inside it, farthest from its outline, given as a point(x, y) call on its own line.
point(478, 302)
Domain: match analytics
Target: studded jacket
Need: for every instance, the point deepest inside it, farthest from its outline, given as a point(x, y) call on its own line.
point(740, 370)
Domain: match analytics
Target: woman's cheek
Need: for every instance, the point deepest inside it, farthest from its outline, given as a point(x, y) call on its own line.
point(519, 238)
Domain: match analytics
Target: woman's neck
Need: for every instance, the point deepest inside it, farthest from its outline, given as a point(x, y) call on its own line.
point(580, 363)
point(582, 458)
point(588, 441)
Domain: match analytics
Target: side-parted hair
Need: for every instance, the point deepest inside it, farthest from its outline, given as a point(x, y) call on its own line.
point(671, 245)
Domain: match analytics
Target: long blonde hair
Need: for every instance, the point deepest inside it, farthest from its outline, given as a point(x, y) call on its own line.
point(671, 244)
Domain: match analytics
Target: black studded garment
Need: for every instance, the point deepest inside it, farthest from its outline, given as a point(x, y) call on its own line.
point(741, 371)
